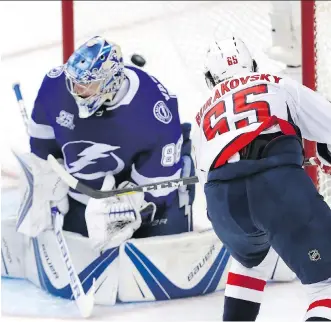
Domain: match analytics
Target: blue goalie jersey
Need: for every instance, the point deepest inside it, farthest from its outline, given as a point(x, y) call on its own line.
point(138, 139)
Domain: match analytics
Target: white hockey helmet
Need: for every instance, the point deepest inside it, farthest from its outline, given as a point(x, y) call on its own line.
point(225, 58)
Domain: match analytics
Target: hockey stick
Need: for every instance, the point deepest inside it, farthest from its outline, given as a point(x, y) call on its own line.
point(97, 194)
point(21, 105)
point(16, 87)
point(85, 302)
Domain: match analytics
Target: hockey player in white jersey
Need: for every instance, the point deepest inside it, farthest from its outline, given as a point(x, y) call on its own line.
point(249, 157)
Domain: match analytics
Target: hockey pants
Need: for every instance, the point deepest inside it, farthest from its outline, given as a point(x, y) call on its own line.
point(255, 204)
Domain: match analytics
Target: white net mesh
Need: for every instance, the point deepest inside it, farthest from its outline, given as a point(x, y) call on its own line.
point(323, 71)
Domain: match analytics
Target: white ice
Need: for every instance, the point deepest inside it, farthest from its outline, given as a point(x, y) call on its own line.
point(282, 302)
point(172, 36)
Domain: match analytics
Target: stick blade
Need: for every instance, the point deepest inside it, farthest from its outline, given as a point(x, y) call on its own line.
point(86, 302)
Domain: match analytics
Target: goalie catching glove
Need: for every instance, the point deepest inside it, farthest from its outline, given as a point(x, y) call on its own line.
point(113, 220)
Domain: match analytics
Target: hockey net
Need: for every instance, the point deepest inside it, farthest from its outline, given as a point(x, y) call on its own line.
point(322, 72)
point(173, 36)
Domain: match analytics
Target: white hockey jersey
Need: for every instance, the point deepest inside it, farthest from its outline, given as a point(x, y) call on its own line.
point(244, 106)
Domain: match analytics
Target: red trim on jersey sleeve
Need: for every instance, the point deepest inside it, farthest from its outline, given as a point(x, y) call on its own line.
point(246, 281)
point(319, 303)
point(246, 138)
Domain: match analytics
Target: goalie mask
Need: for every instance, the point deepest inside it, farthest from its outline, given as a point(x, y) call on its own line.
point(94, 74)
point(226, 58)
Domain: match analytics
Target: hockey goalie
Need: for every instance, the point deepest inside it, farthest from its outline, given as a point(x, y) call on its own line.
point(113, 126)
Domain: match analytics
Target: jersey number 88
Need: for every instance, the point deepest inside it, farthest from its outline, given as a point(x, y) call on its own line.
point(171, 153)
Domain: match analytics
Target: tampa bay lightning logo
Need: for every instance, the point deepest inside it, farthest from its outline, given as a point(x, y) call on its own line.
point(162, 112)
point(55, 72)
point(91, 160)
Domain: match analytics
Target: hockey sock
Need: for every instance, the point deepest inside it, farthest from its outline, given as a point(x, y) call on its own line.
point(319, 310)
point(240, 310)
point(243, 296)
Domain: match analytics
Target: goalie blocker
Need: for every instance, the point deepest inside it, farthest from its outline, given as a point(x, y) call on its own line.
point(147, 269)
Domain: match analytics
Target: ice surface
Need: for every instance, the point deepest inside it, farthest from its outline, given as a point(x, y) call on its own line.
point(282, 302)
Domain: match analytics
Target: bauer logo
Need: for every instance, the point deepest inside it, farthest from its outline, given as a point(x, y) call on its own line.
point(55, 72)
point(162, 112)
point(49, 262)
point(201, 264)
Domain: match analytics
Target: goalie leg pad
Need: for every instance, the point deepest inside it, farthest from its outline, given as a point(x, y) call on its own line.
point(169, 267)
point(12, 249)
point(88, 263)
point(39, 260)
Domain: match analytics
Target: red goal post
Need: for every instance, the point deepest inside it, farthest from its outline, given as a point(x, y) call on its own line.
point(309, 68)
point(316, 70)
point(68, 29)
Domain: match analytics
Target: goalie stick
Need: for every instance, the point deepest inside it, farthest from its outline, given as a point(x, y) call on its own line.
point(5, 173)
point(21, 105)
point(98, 194)
point(85, 302)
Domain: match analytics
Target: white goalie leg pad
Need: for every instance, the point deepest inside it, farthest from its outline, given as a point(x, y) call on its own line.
point(12, 249)
point(88, 263)
point(39, 260)
point(168, 267)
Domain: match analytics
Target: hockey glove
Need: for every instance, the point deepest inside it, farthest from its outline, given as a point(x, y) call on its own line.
point(111, 221)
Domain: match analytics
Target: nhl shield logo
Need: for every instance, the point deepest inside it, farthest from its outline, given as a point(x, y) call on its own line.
point(314, 255)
